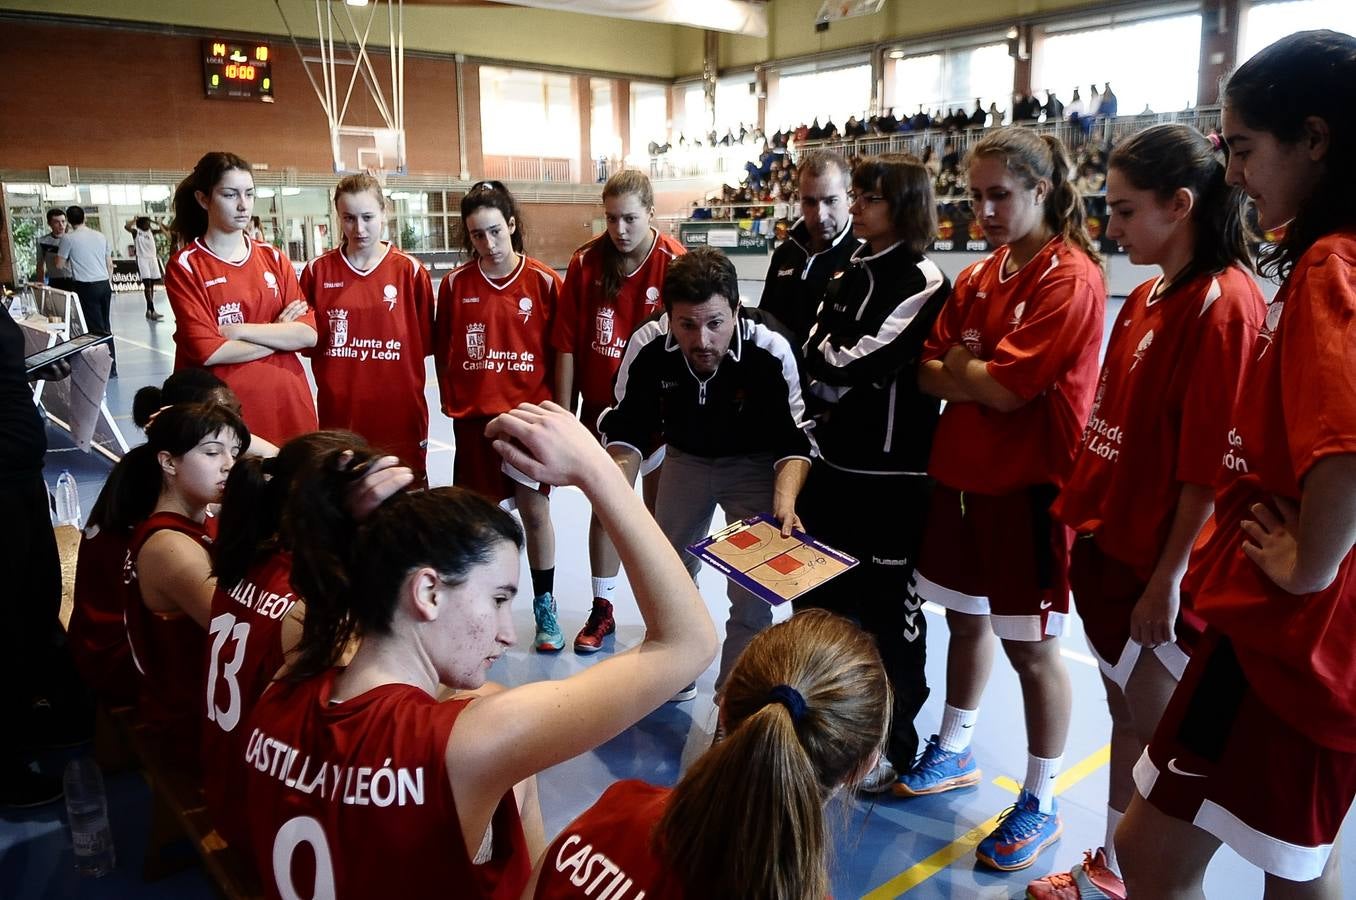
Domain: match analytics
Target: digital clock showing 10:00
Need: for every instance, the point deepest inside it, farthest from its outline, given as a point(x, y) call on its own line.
point(237, 71)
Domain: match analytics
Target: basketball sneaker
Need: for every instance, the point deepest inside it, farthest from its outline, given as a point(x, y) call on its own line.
point(879, 779)
point(938, 771)
point(1022, 833)
point(549, 638)
point(687, 693)
point(599, 626)
point(1091, 879)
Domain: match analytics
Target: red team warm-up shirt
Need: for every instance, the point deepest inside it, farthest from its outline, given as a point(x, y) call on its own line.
point(244, 652)
point(374, 329)
point(97, 633)
point(491, 349)
point(1039, 329)
point(606, 852)
point(595, 329)
point(1297, 407)
point(1162, 411)
point(208, 292)
point(167, 648)
point(352, 799)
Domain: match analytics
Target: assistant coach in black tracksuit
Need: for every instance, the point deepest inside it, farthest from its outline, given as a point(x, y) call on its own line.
point(867, 494)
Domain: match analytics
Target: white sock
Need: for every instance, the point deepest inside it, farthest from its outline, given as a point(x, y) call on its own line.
point(1040, 779)
point(1113, 818)
point(604, 588)
point(958, 728)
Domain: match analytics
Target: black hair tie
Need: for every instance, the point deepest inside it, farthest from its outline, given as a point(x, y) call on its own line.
point(790, 698)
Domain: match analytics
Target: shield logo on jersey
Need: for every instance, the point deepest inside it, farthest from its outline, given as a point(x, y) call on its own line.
point(651, 297)
point(230, 314)
point(475, 340)
point(973, 341)
point(1101, 392)
point(1143, 347)
point(525, 308)
point(604, 325)
point(389, 293)
point(338, 328)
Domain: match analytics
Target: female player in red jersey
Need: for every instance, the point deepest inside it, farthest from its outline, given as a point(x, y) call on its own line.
point(391, 791)
point(613, 284)
point(1014, 354)
point(373, 308)
point(1141, 486)
point(96, 632)
point(493, 324)
point(256, 614)
point(1257, 748)
point(163, 489)
point(806, 709)
point(237, 306)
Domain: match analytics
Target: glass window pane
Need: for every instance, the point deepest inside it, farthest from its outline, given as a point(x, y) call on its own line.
point(649, 117)
point(1080, 59)
point(1269, 22)
point(604, 139)
point(527, 113)
point(832, 94)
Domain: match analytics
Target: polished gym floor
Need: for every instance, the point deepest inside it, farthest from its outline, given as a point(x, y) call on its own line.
point(885, 847)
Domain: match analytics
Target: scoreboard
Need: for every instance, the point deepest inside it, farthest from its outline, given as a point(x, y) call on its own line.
point(234, 70)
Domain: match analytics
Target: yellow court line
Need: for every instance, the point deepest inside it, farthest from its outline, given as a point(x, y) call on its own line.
point(921, 871)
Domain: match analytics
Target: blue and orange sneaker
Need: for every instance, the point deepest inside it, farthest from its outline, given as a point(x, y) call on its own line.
point(938, 771)
point(549, 639)
point(1022, 833)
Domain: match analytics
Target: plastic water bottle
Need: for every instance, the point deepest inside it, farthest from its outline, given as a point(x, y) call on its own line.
point(87, 812)
point(67, 500)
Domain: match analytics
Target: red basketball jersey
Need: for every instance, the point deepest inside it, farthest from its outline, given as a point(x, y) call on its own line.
point(492, 350)
point(595, 328)
point(1039, 330)
point(167, 649)
point(207, 292)
point(352, 799)
point(606, 852)
point(97, 634)
point(244, 652)
point(1297, 407)
point(1162, 410)
point(374, 329)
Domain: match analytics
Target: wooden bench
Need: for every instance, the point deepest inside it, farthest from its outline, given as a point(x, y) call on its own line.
point(178, 812)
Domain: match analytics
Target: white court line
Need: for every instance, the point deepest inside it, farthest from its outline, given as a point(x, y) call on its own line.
point(1063, 651)
point(118, 337)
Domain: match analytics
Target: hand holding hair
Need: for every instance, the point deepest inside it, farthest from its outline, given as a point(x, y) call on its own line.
point(376, 482)
point(548, 444)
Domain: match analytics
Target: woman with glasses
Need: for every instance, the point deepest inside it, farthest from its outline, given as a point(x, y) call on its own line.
point(494, 317)
point(874, 426)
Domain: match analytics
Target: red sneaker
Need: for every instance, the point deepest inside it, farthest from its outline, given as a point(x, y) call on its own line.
point(599, 626)
point(1089, 880)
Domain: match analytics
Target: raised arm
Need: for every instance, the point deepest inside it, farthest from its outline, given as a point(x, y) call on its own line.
point(498, 740)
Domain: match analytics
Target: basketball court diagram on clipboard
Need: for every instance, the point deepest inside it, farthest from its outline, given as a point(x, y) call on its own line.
point(753, 554)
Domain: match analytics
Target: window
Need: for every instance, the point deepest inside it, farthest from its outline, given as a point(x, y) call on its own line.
point(527, 113)
point(1268, 22)
point(736, 104)
point(954, 78)
point(803, 96)
point(604, 139)
point(1152, 63)
point(649, 117)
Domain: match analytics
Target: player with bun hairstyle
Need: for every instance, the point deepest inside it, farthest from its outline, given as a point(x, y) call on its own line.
point(96, 633)
point(612, 285)
point(493, 353)
point(1257, 747)
point(373, 309)
point(1014, 354)
point(427, 581)
point(237, 306)
point(162, 491)
point(1141, 486)
point(806, 711)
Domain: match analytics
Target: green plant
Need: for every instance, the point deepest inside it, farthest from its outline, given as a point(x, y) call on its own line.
point(24, 234)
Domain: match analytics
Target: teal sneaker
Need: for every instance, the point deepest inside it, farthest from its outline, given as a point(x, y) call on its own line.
point(938, 771)
point(549, 638)
point(1022, 833)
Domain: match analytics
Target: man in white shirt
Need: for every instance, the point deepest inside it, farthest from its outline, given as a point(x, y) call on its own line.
point(86, 253)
